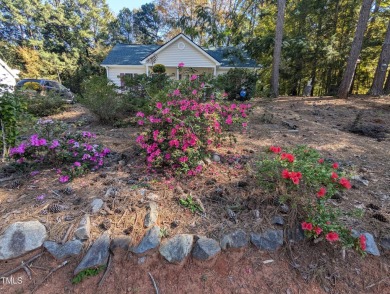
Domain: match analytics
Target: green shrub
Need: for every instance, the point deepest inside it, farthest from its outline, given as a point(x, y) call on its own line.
point(44, 105)
point(102, 98)
point(235, 79)
point(32, 86)
point(12, 109)
point(308, 181)
point(159, 68)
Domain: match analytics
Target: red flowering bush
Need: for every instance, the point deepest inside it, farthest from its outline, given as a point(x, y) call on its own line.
point(302, 171)
point(70, 155)
point(180, 131)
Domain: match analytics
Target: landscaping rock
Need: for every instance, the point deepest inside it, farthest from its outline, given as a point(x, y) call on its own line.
point(371, 248)
point(236, 240)
point(96, 205)
point(122, 242)
point(205, 249)
point(216, 158)
point(111, 192)
point(360, 180)
point(20, 238)
point(177, 248)
point(278, 220)
point(295, 234)
point(150, 241)
point(97, 255)
point(61, 251)
point(151, 216)
point(284, 208)
point(83, 231)
point(385, 243)
point(269, 240)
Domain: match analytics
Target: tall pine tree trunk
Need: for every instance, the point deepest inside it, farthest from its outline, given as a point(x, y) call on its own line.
point(277, 49)
point(381, 69)
point(355, 50)
point(386, 89)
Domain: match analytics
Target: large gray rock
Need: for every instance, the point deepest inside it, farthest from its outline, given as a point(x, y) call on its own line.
point(97, 255)
point(269, 240)
point(236, 240)
point(83, 231)
point(150, 241)
point(21, 237)
point(151, 216)
point(122, 242)
point(70, 248)
point(205, 249)
point(177, 248)
point(96, 205)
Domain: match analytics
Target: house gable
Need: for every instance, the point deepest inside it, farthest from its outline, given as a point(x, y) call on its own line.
point(181, 49)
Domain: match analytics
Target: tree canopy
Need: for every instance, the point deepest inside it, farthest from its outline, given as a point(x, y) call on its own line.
point(67, 39)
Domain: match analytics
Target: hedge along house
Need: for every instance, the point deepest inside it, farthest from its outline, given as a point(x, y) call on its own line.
point(140, 59)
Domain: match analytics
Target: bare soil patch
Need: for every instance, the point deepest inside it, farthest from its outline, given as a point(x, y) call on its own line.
point(324, 123)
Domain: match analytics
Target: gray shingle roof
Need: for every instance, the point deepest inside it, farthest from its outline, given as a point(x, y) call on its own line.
point(231, 57)
point(123, 54)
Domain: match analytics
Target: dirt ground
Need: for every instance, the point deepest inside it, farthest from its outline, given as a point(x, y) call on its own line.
point(324, 123)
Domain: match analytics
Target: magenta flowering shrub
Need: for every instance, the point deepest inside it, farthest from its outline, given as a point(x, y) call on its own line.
point(180, 131)
point(71, 155)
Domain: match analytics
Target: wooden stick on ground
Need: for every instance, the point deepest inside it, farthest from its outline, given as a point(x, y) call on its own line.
point(67, 233)
point(154, 282)
point(108, 268)
point(22, 265)
point(49, 274)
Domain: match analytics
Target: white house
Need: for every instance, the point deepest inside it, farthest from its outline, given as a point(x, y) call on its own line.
point(126, 59)
point(8, 76)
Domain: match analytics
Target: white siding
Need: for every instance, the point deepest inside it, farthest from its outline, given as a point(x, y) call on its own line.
point(113, 72)
point(190, 56)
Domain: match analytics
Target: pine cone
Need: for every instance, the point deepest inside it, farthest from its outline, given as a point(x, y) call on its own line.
point(43, 212)
point(68, 191)
point(15, 184)
point(55, 208)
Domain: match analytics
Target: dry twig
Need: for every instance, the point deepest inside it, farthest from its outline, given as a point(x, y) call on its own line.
point(49, 274)
point(154, 282)
point(106, 272)
point(67, 233)
point(22, 266)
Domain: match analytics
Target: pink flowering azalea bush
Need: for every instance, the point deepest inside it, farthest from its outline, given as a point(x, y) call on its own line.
point(71, 155)
point(179, 132)
point(308, 182)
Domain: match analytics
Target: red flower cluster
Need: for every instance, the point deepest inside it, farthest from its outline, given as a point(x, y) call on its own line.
point(335, 165)
point(287, 156)
point(363, 242)
point(344, 182)
point(321, 160)
point(321, 193)
point(307, 226)
point(334, 176)
point(294, 176)
point(332, 236)
point(275, 149)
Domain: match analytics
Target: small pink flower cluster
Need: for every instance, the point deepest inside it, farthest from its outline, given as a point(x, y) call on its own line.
point(81, 155)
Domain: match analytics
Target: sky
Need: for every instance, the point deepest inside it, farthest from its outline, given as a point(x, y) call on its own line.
point(116, 5)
